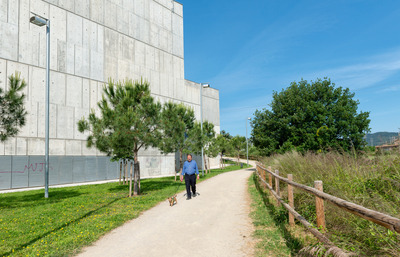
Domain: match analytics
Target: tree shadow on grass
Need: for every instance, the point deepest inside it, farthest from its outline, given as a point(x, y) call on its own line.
point(35, 199)
point(280, 217)
point(119, 188)
point(149, 185)
point(33, 241)
point(158, 185)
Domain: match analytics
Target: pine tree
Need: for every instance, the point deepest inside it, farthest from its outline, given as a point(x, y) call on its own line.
point(176, 121)
point(239, 145)
point(129, 121)
point(12, 110)
point(220, 145)
point(201, 139)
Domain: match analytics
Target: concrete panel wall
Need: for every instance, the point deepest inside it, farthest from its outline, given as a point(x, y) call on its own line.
point(28, 171)
point(210, 111)
point(91, 41)
point(210, 102)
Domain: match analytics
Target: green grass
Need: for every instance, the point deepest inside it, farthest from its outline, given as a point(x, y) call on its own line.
point(373, 182)
point(74, 217)
point(275, 237)
point(233, 161)
point(229, 161)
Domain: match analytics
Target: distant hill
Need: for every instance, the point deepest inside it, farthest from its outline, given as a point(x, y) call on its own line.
point(380, 138)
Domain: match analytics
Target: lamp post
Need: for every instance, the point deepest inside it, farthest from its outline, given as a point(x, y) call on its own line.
point(247, 143)
point(40, 21)
point(201, 122)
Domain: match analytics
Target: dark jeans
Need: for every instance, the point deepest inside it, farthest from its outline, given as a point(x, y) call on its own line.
point(190, 181)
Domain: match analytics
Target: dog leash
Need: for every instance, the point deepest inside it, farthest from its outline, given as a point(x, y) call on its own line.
point(177, 188)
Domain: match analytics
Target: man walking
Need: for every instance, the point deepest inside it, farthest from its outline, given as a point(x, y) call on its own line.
point(190, 170)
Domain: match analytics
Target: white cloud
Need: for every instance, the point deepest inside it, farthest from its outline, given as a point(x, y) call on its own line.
point(372, 71)
point(390, 89)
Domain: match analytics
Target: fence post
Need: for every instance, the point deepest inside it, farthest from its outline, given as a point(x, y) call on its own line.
point(291, 201)
point(270, 176)
point(262, 173)
point(319, 204)
point(278, 192)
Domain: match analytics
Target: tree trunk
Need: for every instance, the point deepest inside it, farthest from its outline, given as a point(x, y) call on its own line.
point(136, 186)
point(120, 171)
point(138, 166)
point(135, 180)
point(125, 172)
point(205, 163)
point(136, 189)
point(180, 161)
point(130, 182)
point(209, 166)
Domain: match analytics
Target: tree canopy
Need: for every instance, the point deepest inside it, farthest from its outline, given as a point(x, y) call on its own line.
point(310, 116)
point(129, 121)
point(238, 144)
point(12, 110)
point(176, 122)
point(226, 134)
point(198, 139)
point(222, 144)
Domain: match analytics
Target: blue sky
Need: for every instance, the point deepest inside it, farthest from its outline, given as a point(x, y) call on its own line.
point(248, 49)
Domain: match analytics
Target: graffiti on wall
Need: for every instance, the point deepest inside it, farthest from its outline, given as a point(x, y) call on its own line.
point(32, 167)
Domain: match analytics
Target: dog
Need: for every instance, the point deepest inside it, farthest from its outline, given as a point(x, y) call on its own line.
point(172, 200)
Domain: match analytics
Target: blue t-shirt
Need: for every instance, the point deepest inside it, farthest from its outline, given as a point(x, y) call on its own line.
point(190, 168)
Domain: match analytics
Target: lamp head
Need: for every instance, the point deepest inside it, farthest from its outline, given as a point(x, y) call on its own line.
point(39, 21)
point(205, 85)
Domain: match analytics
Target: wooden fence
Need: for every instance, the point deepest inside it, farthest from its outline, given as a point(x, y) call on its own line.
point(374, 216)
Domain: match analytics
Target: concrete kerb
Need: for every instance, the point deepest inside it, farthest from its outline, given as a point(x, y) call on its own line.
point(74, 184)
point(57, 186)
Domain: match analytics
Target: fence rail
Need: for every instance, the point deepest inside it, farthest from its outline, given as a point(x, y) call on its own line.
point(379, 218)
point(321, 237)
point(382, 219)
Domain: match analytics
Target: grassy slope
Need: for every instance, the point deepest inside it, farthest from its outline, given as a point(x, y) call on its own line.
point(373, 183)
point(275, 236)
point(71, 218)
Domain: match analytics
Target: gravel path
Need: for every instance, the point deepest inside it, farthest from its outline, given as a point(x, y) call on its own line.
point(215, 223)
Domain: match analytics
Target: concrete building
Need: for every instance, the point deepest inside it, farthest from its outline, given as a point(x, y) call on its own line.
point(91, 41)
point(394, 145)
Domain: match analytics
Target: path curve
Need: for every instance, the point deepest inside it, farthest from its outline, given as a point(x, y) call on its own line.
point(216, 223)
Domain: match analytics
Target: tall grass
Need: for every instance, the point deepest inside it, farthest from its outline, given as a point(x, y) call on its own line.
point(371, 182)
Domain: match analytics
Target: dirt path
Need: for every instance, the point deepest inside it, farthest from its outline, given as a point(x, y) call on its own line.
point(216, 223)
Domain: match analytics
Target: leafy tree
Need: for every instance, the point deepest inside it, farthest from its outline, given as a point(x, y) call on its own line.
point(211, 150)
point(310, 116)
point(221, 145)
point(198, 138)
point(176, 121)
point(238, 144)
point(209, 136)
point(128, 122)
point(226, 134)
point(12, 110)
point(253, 151)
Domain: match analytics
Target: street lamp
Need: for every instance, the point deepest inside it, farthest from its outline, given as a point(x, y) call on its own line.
point(247, 143)
point(201, 122)
point(40, 21)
